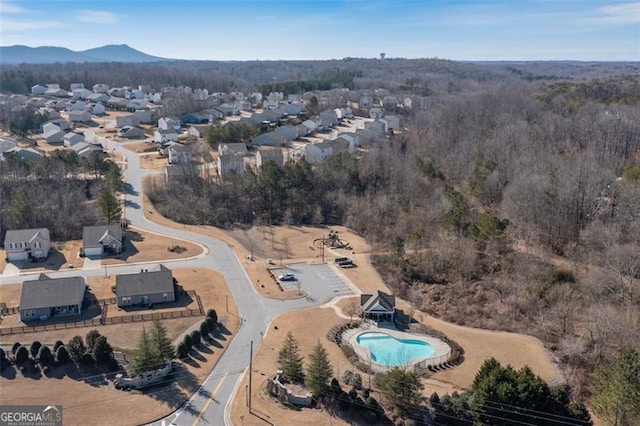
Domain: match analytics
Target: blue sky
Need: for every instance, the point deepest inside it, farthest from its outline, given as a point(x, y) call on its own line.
point(305, 29)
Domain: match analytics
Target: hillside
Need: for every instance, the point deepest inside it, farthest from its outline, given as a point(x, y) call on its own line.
point(52, 54)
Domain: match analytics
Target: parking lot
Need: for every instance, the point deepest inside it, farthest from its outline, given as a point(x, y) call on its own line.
point(321, 281)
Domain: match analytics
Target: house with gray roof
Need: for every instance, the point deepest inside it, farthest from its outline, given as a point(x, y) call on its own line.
point(6, 145)
point(179, 153)
point(72, 138)
point(273, 155)
point(230, 165)
point(100, 240)
point(378, 307)
point(53, 134)
point(77, 116)
point(164, 136)
point(233, 149)
point(131, 132)
point(46, 298)
point(198, 130)
point(147, 287)
point(23, 154)
point(24, 244)
point(271, 139)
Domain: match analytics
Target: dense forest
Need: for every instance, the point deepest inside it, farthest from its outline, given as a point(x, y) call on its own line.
point(57, 192)
point(513, 205)
point(512, 202)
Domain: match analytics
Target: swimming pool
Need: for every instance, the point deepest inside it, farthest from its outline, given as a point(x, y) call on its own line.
point(389, 351)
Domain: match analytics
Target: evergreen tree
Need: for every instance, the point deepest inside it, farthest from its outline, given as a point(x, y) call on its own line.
point(90, 340)
point(76, 349)
point(319, 370)
point(290, 360)
point(400, 387)
point(109, 206)
point(616, 396)
point(102, 351)
point(146, 356)
point(163, 344)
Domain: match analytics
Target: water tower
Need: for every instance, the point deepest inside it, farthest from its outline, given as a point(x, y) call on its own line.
point(382, 55)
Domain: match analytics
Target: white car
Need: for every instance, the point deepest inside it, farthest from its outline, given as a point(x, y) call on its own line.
point(287, 276)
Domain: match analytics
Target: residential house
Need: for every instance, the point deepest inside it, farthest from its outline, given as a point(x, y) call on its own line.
point(100, 240)
point(82, 94)
point(166, 123)
point(117, 92)
point(145, 288)
point(46, 298)
point(271, 139)
point(100, 88)
point(72, 138)
point(243, 105)
point(179, 153)
point(137, 104)
point(376, 113)
point(198, 130)
point(273, 155)
point(76, 86)
point(391, 122)
point(7, 145)
point(86, 150)
point(311, 125)
point(202, 117)
point(164, 136)
point(293, 109)
point(76, 106)
point(233, 149)
point(132, 120)
point(378, 307)
point(376, 127)
point(98, 97)
point(98, 109)
point(79, 116)
point(131, 132)
point(230, 165)
point(23, 154)
point(38, 89)
point(316, 153)
point(328, 118)
point(58, 124)
point(228, 109)
point(53, 134)
point(57, 92)
point(24, 244)
point(291, 132)
point(366, 137)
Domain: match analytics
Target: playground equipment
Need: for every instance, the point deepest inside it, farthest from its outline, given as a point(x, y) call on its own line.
point(331, 240)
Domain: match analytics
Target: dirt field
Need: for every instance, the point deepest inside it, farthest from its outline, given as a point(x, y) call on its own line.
point(147, 247)
point(108, 404)
point(153, 161)
point(265, 365)
point(3, 260)
point(138, 147)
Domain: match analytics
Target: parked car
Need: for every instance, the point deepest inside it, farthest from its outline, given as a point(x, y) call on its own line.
point(287, 276)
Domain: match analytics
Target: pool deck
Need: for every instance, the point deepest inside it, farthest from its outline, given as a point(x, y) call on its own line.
point(441, 350)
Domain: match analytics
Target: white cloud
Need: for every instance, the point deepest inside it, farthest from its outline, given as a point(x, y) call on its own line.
point(9, 25)
point(96, 16)
point(621, 13)
point(11, 8)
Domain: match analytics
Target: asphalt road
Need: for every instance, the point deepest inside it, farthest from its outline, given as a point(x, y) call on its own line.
point(210, 404)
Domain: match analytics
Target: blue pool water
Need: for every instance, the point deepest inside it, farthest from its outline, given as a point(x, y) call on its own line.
point(389, 351)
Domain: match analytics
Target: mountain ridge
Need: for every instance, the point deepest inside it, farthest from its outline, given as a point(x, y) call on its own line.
point(20, 54)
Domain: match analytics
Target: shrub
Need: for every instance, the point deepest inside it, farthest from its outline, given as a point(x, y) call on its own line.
point(347, 376)
point(211, 313)
point(366, 393)
point(15, 347)
point(204, 329)
point(35, 347)
point(196, 337)
point(44, 354)
point(343, 400)
point(353, 394)
point(62, 355)
point(188, 341)
point(348, 352)
point(182, 350)
point(356, 381)
point(335, 387)
point(211, 323)
point(57, 344)
point(22, 355)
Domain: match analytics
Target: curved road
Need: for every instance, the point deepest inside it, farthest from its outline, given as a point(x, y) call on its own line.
point(255, 311)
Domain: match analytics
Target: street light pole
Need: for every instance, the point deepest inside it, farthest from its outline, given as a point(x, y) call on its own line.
point(250, 373)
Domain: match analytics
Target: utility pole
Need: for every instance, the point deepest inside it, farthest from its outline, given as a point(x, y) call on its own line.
point(250, 373)
point(322, 249)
